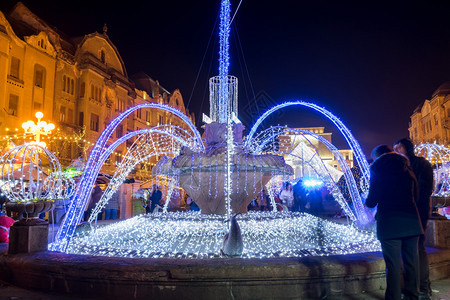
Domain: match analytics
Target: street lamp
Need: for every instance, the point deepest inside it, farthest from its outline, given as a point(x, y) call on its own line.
point(41, 128)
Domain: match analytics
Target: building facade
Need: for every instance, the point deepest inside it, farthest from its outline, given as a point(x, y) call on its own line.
point(430, 121)
point(79, 83)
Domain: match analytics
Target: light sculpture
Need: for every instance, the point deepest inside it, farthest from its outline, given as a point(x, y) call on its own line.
point(353, 143)
point(22, 167)
point(93, 166)
point(176, 230)
point(267, 137)
point(150, 142)
point(439, 157)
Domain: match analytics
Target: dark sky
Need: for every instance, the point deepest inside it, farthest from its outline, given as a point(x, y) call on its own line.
point(369, 62)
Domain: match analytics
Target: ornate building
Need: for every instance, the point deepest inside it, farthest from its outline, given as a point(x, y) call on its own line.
point(79, 83)
point(430, 121)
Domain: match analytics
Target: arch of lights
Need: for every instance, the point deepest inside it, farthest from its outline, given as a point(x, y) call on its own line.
point(160, 140)
point(268, 137)
point(439, 157)
point(93, 165)
point(352, 142)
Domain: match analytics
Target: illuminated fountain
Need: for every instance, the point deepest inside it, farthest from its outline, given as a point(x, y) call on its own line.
point(222, 176)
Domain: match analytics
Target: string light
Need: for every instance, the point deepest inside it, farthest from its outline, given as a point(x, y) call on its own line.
point(193, 235)
point(437, 155)
point(93, 166)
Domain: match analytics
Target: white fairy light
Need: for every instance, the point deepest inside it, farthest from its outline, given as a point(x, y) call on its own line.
point(193, 235)
point(437, 155)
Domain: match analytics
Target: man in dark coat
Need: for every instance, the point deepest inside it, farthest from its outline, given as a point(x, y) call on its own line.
point(299, 196)
point(424, 174)
point(393, 187)
point(155, 198)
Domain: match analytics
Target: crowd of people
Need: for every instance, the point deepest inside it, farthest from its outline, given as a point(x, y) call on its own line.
point(111, 209)
point(294, 198)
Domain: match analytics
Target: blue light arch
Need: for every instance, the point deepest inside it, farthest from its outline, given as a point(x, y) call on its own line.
point(352, 142)
point(93, 166)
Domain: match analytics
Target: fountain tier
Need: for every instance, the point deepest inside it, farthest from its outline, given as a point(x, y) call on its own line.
point(203, 175)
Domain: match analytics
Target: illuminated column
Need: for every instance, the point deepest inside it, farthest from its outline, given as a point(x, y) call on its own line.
point(224, 60)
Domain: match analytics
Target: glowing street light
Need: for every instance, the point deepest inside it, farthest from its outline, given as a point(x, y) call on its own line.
point(41, 128)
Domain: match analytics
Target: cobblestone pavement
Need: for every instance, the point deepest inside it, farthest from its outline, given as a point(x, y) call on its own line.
point(441, 291)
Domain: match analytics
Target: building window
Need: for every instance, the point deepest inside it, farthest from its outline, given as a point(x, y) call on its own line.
point(436, 120)
point(68, 85)
point(82, 89)
point(15, 67)
point(139, 113)
point(62, 113)
point(13, 106)
point(160, 120)
point(94, 122)
point(102, 56)
point(118, 157)
point(64, 83)
point(96, 92)
point(72, 84)
point(39, 77)
point(147, 116)
point(42, 44)
point(70, 115)
point(81, 119)
point(120, 105)
point(119, 131)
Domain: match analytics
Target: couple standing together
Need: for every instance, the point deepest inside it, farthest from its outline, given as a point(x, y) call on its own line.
point(401, 185)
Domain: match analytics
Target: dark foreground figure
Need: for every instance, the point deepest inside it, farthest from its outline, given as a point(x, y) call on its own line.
point(393, 187)
point(424, 174)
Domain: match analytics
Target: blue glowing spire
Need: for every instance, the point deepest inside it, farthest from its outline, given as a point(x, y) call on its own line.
point(223, 89)
point(224, 60)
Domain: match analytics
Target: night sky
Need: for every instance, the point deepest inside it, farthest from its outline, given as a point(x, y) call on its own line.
point(369, 62)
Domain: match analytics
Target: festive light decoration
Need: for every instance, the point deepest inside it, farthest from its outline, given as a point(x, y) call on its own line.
point(22, 169)
point(267, 140)
point(193, 235)
point(199, 236)
point(23, 176)
point(353, 143)
point(93, 166)
point(151, 142)
point(439, 157)
point(312, 183)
